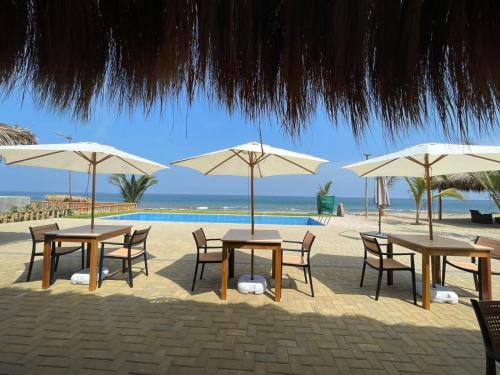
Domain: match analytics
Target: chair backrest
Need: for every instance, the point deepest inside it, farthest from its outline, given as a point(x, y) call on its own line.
point(490, 242)
point(200, 238)
point(139, 236)
point(475, 212)
point(371, 245)
point(488, 317)
point(38, 232)
point(307, 242)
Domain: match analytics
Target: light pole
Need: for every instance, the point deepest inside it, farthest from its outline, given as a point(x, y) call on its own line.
point(366, 189)
point(69, 139)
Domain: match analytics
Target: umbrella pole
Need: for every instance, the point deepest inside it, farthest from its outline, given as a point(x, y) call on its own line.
point(379, 220)
point(429, 197)
point(251, 213)
point(94, 166)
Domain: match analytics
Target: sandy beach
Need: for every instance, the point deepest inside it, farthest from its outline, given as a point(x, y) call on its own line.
point(159, 324)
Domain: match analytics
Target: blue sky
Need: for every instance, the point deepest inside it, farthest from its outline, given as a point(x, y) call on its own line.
point(178, 132)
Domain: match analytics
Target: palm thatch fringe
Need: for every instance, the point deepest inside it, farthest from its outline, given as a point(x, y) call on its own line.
point(14, 135)
point(400, 61)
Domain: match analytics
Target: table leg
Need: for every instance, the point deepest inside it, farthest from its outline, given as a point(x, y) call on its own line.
point(485, 293)
point(93, 269)
point(126, 238)
point(390, 277)
point(426, 287)
point(232, 255)
point(277, 274)
point(47, 250)
point(436, 270)
point(224, 273)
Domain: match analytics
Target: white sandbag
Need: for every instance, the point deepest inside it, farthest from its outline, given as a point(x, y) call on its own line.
point(247, 285)
point(440, 294)
point(82, 277)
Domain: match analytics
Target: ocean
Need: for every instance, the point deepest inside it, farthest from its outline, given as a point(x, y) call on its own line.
point(273, 203)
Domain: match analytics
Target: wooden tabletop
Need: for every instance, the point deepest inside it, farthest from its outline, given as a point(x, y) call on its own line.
point(245, 235)
point(87, 232)
point(421, 242)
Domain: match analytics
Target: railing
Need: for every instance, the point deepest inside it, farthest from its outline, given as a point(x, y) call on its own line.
point(77, 208)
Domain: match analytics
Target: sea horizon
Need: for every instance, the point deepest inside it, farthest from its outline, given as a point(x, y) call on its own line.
point(266, 203)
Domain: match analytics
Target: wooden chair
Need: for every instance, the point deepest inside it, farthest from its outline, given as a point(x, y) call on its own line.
point(472, 266)
point(488, 317)
point(127, 252)
point(202, 254)
point(38, 236)
point(303, 260)
point(382, 264)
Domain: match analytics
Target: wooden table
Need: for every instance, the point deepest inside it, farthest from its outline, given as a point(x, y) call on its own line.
point(81, 234)
point(442, 246)
point(260, 240)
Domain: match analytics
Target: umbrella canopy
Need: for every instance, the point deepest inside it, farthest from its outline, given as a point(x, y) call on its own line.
point(87, 157)
point(252, 159)
point(431, 159)
point(381, 197)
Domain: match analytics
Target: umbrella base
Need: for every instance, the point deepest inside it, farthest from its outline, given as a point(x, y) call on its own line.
point(247, 285)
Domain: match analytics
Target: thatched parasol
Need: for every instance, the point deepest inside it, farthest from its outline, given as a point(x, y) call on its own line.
point(14, 135)
point(396, 60)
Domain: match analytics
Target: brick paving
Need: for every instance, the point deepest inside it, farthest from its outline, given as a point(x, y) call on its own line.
point(160, 327)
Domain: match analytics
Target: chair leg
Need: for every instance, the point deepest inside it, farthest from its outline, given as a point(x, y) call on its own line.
point(310, 280)
point(443, 271)
point(101, 265)
point(194, 278)
point(123, 266)
point(146, 263)
point(52, 263)
point(305, 274)
point(202, 269)
point(414, 285)
point(491, 368)
point(131, 282)
point(30, 268)
point(476, 283)
point(379, 283)
point(83, 256)
point(57, 263)
point(362, 275)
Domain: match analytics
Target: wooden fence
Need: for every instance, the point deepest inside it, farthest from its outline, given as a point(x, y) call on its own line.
point(54, 211)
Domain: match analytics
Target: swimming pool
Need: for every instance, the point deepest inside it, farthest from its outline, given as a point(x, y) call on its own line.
point(212, 218)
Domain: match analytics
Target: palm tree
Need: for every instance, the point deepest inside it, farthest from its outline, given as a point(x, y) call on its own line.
point(418, 187)
point(14, 135)
point(490, 181)
point(132, 190)
point(322, 192)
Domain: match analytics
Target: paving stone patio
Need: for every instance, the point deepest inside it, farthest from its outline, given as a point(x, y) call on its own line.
point(160, 327)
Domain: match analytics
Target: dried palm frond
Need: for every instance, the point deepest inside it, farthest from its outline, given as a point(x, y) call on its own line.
point(399, 62)
point(14, 135)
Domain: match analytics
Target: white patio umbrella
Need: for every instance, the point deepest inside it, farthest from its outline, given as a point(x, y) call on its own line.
point(252, 159)
point(430, 159)
point(86, 157)
point(381, 198)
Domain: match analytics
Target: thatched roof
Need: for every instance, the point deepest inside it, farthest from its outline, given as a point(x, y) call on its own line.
point(460, 181)
point(400, 61)
point(15, 135)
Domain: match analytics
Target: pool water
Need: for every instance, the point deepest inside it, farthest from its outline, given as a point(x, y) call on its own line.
point(212, 218)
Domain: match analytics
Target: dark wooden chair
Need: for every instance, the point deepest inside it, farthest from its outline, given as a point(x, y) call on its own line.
point(381, 264)
point(303, 260)
point(478, 217)
point(127, 252)
point(38, 236)
point(202, 254)
point(472, 266)
point(488, 317)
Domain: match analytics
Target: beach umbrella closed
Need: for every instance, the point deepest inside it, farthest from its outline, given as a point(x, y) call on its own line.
point(381, 197)
point(252, 160)
point(86, 157)
point(430, 159)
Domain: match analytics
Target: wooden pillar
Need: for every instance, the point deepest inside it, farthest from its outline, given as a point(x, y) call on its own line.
point(429, 197)
point(94, 166)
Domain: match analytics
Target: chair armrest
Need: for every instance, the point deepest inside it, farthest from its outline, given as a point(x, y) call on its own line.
point(295, 250)
point(397, 254)
point(299, 242)
point(212, 247)
point(114, 243)
point(214, 239)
